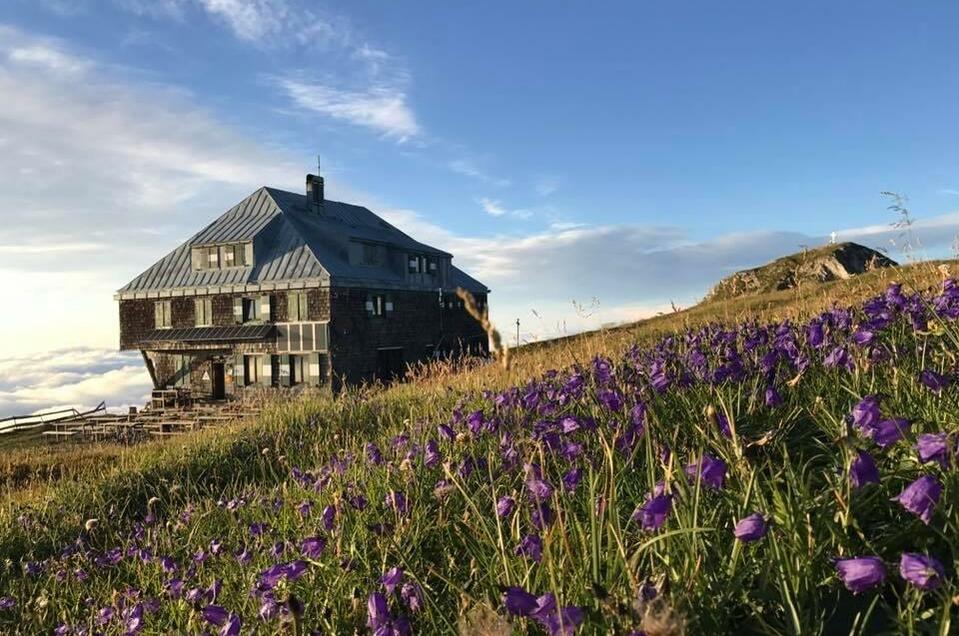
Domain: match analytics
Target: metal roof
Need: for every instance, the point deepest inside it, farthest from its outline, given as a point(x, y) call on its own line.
point(290, 243)
point(231, 333)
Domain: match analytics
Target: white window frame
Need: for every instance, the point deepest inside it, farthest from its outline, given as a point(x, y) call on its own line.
point(250, 309)
point(251, 369)
point(301, 305)
point(203, 312)
point(164, 310)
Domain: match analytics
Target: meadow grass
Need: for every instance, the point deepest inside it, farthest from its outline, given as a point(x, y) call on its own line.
point(291, 522)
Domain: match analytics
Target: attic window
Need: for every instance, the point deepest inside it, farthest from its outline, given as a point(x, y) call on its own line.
point(419, 264)
point(222, 256)
point(234, 255)
point(211, 258)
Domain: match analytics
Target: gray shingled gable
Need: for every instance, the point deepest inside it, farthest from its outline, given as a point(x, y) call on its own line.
point(291, 243)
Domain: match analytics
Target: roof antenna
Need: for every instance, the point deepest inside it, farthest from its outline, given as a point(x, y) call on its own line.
point(314, 189)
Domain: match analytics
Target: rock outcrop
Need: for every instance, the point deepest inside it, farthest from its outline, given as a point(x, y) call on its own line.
point(819, 265)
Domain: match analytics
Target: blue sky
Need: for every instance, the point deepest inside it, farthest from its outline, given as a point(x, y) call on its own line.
point(631, 153)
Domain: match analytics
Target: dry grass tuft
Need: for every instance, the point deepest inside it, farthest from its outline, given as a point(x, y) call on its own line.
point(500, 350)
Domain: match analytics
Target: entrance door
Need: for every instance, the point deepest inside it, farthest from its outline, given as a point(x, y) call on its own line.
point(390, 364)
point(219, 381)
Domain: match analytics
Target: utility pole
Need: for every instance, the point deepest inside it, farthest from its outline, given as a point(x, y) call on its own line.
point(517, 333)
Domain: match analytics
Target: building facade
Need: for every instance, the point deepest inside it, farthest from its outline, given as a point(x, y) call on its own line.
point(286, 289)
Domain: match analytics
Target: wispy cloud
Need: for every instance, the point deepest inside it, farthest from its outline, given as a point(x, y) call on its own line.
point(494, 207)
point(383, 109)
point(949, 191)
point(546, 185)
point(468, 168)
point(49, 248)
point(264, 23)
point(93, 142)
point(151, 8)
point(47, 57)
point(250, 19)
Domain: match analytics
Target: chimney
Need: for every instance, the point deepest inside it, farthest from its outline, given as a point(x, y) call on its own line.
point(314, 193)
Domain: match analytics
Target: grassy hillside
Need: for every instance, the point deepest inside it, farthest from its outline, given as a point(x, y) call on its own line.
point(595, 487)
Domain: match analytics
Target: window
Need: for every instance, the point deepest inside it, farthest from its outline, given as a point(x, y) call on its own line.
point(234, 255)
point(162, 314)
point(249, 309)
point(378, 305)
point(451, 302)
point(251, 367)
point(297, 307)
point(252, 309)
point(221, 256)
point(183, 365)
point(203, 311)
point(417, 264)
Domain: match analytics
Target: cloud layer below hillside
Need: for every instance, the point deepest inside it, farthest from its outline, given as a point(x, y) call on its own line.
point(79, 377)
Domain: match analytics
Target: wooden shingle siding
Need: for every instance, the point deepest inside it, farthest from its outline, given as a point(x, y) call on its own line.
point(183, 313)
point(137, 317)
point(416, 323)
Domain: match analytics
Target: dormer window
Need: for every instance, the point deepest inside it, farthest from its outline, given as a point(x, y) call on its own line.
point(222, 256)
point(210, 258)
point(419, 264)
point(234, 255)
